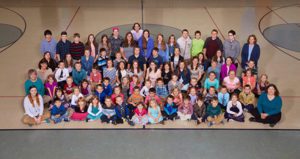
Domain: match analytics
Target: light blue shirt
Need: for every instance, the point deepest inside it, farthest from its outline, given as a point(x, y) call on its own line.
point(250, 51)
point(48, 46)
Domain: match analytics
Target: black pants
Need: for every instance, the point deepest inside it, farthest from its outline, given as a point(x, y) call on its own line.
point(271, 119)
point(169, 117)
point(131, 110)
point(104, 118)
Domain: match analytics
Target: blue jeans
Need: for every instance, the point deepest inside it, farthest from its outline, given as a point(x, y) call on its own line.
point(59, 119)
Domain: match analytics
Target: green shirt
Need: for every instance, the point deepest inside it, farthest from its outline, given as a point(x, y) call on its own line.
point(212, 111)
point(197, 46)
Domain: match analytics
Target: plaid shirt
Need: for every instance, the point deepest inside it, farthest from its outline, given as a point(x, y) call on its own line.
point(162, 91)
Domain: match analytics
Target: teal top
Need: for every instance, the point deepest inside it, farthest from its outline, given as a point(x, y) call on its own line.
point(272, 107)
point(38, 84)
point(212, 111)
point(209, 83)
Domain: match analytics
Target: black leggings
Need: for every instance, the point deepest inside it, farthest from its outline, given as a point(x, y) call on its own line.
point(271, 119)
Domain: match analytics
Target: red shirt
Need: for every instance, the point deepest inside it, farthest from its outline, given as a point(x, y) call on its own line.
point(69, 90)
point(140, 113)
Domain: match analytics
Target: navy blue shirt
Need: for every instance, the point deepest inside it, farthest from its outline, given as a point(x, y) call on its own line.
point(141, 60)
point(63, 48)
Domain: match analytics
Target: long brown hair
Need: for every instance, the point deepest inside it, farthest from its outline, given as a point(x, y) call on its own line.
point(163, 43)
point(144, 41)
point(169, 40)
point(131, 66)
point(36, 97)
point(88, 43)
point(130, 43)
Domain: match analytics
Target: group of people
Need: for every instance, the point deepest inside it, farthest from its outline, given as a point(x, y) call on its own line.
point(143, 80)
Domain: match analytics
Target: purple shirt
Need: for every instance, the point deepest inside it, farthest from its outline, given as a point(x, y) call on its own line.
point(51, 87)
point(225, 72)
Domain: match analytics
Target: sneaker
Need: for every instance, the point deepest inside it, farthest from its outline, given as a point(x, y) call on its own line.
point(47, 121)
point(66, 120)
point(177, 117)
point(209, 124)
point(272, 125)
point(86, 120)
point(114, 122)
point(198, 122)
point(252, 119)
point(162, 122)
point(130, 123)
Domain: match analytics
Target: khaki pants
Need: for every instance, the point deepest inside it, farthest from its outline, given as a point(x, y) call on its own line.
point(217, 119)
point(30, 121)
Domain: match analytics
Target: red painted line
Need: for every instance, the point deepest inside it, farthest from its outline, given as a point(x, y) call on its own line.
point(277, 15)
point(73, 18)
point(214, 22)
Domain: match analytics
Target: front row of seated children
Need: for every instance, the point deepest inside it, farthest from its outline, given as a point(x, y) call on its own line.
point(134, 112)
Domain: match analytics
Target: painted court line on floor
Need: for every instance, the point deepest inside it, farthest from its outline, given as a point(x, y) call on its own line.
point(73, 18)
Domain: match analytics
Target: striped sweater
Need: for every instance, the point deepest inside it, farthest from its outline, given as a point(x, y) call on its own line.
point(77, 50)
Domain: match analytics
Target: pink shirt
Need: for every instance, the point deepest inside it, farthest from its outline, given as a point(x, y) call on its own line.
point(156, 98)
point(251, 81)
point(231, 84)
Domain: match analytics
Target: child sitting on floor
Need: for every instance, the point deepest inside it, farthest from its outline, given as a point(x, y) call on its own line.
point(247, 98)
point(122, 112)
point(94, 110)
point(185, 110)
point(154, 113)
point(170, 109)
point(199, 111)
point(109, 113)
point(80, 110)
point(214, 113)
point(140, 115)
point(234, 110)
point(59, 112)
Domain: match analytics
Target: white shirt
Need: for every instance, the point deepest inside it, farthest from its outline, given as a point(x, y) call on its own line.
point(185, 47)
point(238, 105)
point(75, 98)
point(99, 108)
point(65, 74)
point(144, 91)
point(34, 110)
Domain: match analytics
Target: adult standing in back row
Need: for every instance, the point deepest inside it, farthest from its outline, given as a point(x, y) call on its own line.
point(116, 41)
point(250, 51)
point(212, 45)
point(185, 44)
point(232, 47)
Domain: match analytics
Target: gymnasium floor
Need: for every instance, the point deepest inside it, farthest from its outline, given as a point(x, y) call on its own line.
point(85, 17)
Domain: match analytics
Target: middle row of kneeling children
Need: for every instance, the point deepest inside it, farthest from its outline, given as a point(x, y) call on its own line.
point(150, 111)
